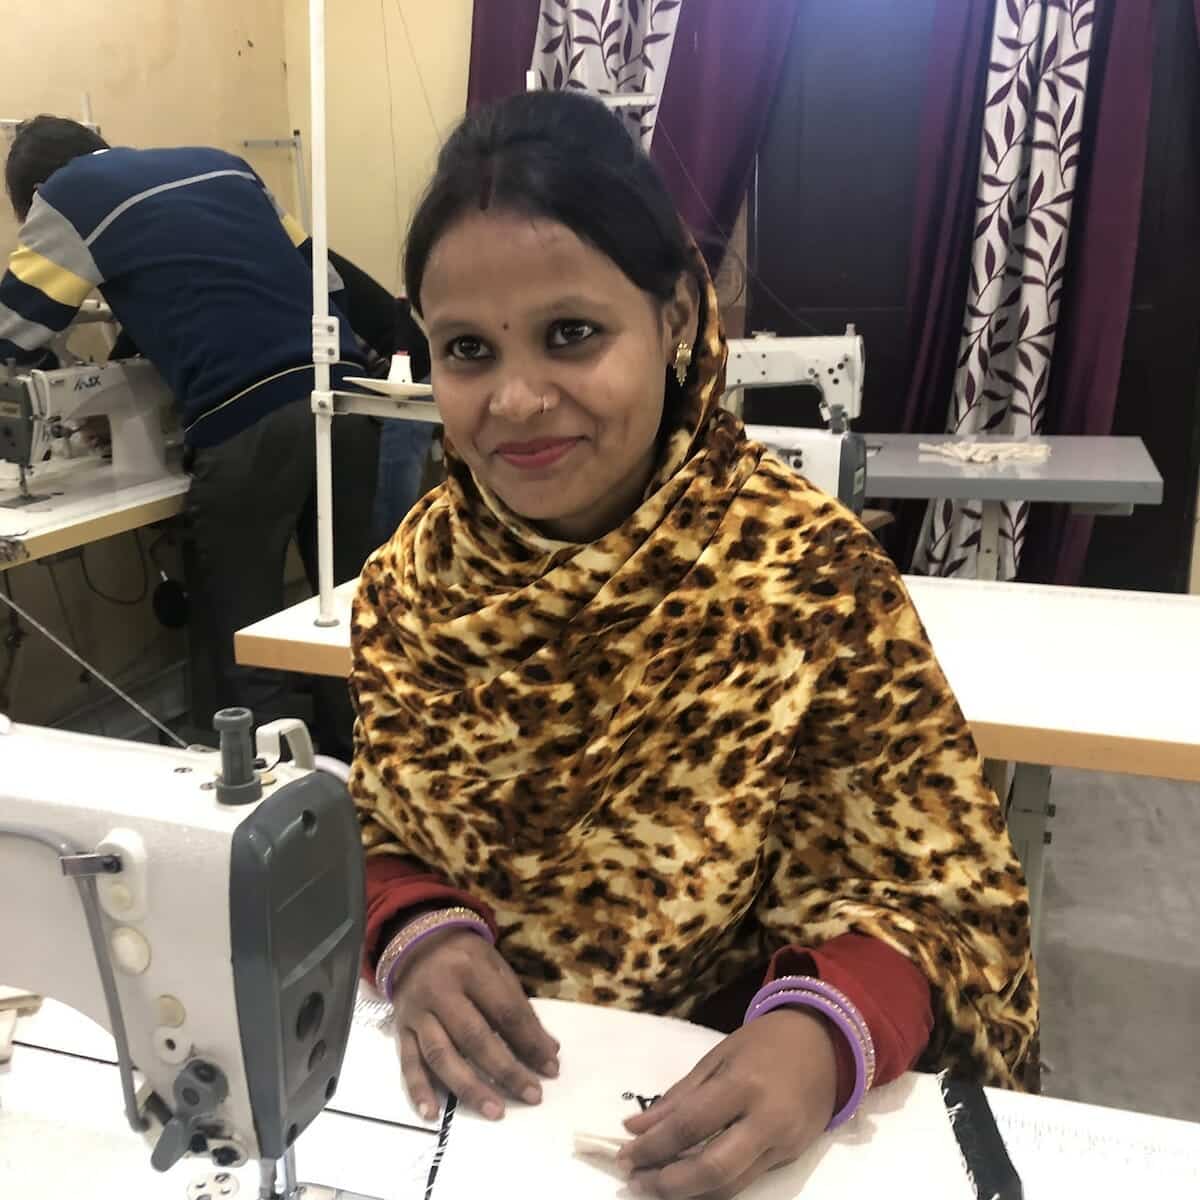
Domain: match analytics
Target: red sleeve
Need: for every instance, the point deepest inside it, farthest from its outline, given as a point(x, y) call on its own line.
point(393, 885)
point(890, 992)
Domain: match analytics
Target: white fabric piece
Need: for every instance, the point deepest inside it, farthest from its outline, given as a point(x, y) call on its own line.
point(989, 452)
point(614, 1060)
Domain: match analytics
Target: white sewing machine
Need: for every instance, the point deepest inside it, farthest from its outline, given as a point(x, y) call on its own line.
point(833, 458)
point(38, 406)
point(209, 915)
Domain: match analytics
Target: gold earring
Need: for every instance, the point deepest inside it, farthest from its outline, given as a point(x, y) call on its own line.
point(683, 360)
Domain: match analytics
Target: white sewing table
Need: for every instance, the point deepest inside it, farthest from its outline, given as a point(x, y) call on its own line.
point(84, 503)
point(1087, 678)
point(62, 1134)
point(1100, 680)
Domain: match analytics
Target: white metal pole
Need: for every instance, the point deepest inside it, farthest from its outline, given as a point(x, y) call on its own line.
point(325, 333)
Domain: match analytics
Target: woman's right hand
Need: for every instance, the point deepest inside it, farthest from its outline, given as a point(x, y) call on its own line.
point(464, 1021)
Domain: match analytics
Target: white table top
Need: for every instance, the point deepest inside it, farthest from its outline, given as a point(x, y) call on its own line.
point(1069, 677)
point(1080, 470)
point(1074, 677)
point(62, 1132)
point(85, 503)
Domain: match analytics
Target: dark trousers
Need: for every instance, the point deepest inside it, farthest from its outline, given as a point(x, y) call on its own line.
point(249, 496)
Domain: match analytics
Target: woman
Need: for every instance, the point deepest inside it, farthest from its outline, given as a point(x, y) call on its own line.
point(644, 719)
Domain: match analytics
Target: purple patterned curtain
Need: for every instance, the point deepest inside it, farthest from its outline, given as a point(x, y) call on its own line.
point(1095, 310)
point(1032, 129)
point(947, 171)
point(943, 212)
point(715, 67)
point(725, 70)
point(609, 47)
point(502, 37)
point(725, 63)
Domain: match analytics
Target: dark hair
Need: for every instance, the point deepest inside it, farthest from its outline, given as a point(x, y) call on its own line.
point(42, 145)
point(561, 156)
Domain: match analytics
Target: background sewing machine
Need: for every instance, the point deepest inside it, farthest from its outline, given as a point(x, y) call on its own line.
point(208, 915)
point(833, 458)
point(38, 407)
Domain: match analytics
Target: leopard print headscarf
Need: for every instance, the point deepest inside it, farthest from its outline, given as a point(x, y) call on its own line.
point(718, 730)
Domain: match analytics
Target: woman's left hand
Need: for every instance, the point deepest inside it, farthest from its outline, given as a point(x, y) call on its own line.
point(755, 1102)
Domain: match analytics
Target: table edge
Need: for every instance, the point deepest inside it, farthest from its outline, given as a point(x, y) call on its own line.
point(285, 654)
point(97, 528)
point(1113, 753)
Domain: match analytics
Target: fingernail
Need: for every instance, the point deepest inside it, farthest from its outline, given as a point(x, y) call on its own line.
point(492, 1110)
point(550, 1068)
point(532, 1095)
point(429, 1112)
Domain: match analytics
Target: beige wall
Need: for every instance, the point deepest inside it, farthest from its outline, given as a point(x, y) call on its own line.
point(426, 46)
point(159, 72)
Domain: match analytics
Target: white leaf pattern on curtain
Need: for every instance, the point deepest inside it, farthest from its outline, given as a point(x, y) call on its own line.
point(1033, 121)
point(609, 47)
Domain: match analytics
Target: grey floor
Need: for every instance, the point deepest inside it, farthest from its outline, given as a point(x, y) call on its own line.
point(1120, 956)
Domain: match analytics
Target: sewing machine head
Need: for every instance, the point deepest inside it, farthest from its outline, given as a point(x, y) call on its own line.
point(38, 406)
point(833, 457)
point(833, 365)
point(210, 916)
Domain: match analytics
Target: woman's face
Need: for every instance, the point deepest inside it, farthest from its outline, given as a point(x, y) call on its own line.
point(549, 368)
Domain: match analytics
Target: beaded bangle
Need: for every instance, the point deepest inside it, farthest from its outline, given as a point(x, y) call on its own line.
point(826, 1004)
point(807, 983)
point(837, 1007)
point(417, 931)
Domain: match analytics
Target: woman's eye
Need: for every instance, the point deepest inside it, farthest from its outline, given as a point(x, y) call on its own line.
point(467, 348)
point(570, 333)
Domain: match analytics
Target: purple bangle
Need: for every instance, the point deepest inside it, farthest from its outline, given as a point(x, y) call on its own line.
point(415, 932)
point(845, 1026)
point(808, 983)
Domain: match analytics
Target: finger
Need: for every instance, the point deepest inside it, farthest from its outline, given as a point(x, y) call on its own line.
point(647, 1187)
point(706, 1069)
point(485, 1049)
point(727, 1165)
point(442, 1058)
point(509, 1012)
point(692, 1121)
point(417, 1082)
point(657, 1112)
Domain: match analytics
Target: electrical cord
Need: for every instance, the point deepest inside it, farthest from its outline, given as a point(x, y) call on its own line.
point(65, 613)
point(91, 671)
point(747, 273)
point(131, 602)
point(387, 65)
point(412, 50)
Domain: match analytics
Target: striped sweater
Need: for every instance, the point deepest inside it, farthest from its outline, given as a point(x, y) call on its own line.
point(207, 275)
